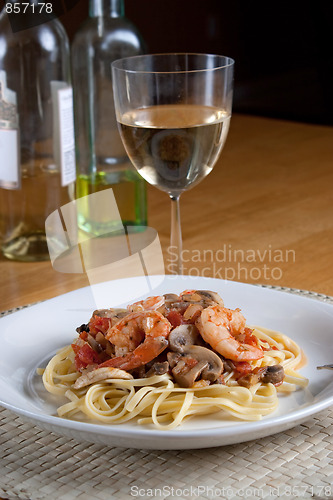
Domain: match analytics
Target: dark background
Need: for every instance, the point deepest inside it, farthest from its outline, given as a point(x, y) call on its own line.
point(283, 50)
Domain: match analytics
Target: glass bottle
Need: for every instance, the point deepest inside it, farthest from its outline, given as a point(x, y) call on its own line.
point(37, 150)
point(102, 162)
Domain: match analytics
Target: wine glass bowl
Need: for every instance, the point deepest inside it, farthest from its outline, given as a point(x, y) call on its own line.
point(173, 113)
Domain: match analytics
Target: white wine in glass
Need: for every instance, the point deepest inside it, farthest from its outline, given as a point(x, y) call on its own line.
point(173, 112)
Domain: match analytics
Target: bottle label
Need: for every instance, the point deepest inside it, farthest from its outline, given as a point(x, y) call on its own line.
point(9, 137)
point(67, 141)
point(63, 131)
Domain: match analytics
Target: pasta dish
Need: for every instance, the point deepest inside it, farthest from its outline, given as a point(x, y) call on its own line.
point(169, 358)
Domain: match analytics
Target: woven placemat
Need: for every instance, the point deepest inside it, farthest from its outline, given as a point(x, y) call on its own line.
point(298, 463)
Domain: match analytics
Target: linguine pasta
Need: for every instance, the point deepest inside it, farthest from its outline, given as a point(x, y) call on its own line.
point(160, 401)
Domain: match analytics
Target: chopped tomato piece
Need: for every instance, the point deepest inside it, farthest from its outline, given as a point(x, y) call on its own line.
point(250, 339)
point(83, 335)
point(268, 347)
point(98, 324)
point(175, 318)
point(242, 368)
point(84, 356)
point(76, 348)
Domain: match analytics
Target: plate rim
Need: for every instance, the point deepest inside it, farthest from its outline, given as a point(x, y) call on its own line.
point(241, 428)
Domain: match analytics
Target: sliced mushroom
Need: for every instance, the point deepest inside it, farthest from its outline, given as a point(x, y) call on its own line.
point(171, 301)
point(99, 374)
point(174, 358)
point(228, 365)
point(273, 375)
point(112, 313)
point(203, 297)
point(214, 364)
point(268, 375)
point(185, 373)
point(251, 379)
point(189, 361)
point(183, 336)
point(170, 298)
point(197, 362)
point(213, 296)
point(158, 368)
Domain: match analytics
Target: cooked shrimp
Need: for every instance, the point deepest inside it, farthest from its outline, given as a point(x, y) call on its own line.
point(149, 304)
point(143, 335)
point(218, 325)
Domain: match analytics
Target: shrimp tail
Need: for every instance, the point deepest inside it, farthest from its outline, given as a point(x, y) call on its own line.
point(143, 354)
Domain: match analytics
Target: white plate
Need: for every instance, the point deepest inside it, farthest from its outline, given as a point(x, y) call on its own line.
point(29, 337)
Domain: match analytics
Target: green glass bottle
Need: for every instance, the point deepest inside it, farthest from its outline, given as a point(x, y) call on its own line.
point(102, 162)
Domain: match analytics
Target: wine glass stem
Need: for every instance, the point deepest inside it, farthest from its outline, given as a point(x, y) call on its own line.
point(176, 236)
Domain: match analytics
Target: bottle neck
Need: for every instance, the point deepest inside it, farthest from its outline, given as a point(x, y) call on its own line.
point(106, 8)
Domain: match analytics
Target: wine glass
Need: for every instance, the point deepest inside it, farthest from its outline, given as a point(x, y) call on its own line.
point(173, 113)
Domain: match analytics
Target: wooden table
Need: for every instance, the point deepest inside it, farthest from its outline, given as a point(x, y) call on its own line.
point(264, 215)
